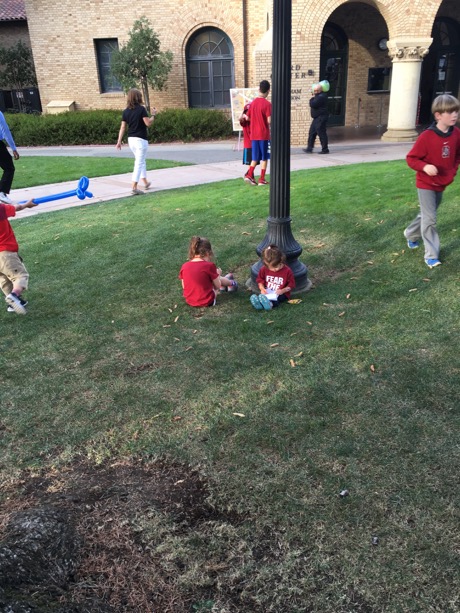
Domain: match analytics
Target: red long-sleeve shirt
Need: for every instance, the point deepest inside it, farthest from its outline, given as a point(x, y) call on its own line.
point(439, 149)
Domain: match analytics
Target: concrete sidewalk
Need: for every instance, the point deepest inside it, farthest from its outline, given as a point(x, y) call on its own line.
point(227, 165)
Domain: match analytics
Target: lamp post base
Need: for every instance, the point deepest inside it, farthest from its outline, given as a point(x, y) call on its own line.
point(279, 233)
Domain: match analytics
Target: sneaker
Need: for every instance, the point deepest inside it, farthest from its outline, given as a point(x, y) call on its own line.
point(147, 185)
point(6, 199)
point(323, 151)
point(307, 150)
point(254, 300)
point(234, 286)
point(16, 304)
point(265, 302)
point(432, 262)
point(412, 244)
point(263, 182)
point(250, 180)
point(23, 302)
point(137, 192)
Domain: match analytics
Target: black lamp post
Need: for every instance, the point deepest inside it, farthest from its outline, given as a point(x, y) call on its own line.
point(279, 220)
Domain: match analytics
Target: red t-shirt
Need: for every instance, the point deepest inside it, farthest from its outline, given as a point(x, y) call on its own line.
point(276, 279)
point(245, 124)
point(259, 112)
point(8, 241)
point(197, 277)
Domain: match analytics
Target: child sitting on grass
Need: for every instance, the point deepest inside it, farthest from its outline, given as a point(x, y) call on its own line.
point(201, 280)
point(14, 277)
point(275, 280)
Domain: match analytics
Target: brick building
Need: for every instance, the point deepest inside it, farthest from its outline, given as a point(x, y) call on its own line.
point(385, 59)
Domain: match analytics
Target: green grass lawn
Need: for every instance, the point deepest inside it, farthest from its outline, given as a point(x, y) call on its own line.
point(42, 170)
point(354, 388)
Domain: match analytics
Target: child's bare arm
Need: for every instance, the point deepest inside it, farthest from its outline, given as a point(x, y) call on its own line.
point(27, 205)
point(262, 288)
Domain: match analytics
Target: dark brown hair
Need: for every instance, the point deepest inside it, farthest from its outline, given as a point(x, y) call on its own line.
point(134, 98)
point(199, 246)
point(272, 256)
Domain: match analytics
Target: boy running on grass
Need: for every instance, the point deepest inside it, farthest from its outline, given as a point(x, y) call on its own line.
point(14, 277)
point(436, 157)
point(259, 114)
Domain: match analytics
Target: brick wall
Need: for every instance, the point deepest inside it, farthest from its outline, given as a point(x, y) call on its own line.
point(62, 36)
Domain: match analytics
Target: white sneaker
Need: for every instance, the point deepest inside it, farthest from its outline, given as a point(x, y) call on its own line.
point(6, 199)
point(16, 304)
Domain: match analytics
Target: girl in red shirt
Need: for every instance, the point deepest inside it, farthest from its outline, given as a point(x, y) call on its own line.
point(201, 279)
point(275, 280)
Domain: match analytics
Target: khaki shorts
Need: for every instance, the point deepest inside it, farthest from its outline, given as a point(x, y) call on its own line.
point(13, 273)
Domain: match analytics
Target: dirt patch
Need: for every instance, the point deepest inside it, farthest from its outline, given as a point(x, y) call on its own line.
point(116, 570)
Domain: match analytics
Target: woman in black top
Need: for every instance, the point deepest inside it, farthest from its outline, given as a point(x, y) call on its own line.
point(135, 117)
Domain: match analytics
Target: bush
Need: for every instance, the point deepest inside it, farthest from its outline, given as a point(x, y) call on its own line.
point(101, 127)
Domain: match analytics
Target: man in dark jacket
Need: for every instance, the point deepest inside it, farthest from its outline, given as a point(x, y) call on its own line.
point(320, 115)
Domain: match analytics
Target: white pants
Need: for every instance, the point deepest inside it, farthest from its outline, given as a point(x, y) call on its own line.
point(139, 147)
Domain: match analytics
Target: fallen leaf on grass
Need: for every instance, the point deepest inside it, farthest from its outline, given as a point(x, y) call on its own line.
point(274, 345)
point(295, 301)
point(292, 363)
point(176, 339)
point(177, 418)
point(342, 314)
point(414, 289)
point(188, 348)
point(348, 296)
point(175, 320)
point(246, 233)
point(180, 481)
point(293, 333)
point(372, 367)
point(149, 266)
point(239, 414)
point(299, 355)
point(170, 310)
point(166, 326)
point(370, 262)
point(426, 280)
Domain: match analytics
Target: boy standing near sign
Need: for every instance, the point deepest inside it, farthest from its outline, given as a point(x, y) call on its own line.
point(259, 114)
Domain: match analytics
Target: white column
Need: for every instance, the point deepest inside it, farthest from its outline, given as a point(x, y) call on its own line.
point(407, 54)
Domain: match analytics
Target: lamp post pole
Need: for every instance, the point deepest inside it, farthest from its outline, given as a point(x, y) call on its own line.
point(279, 220)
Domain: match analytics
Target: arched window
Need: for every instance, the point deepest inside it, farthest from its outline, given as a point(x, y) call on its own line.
point(210, 72)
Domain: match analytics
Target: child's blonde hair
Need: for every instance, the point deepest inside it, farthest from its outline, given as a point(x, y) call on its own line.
point(272, 256)
point(134, 98)
point(199, 246)
point(445, 103)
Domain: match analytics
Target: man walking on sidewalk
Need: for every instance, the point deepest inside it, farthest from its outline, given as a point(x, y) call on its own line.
point(320, 115)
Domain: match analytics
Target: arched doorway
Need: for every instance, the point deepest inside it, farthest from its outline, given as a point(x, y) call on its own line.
point(210, 69)
point(333, 67)
point(441, 67)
